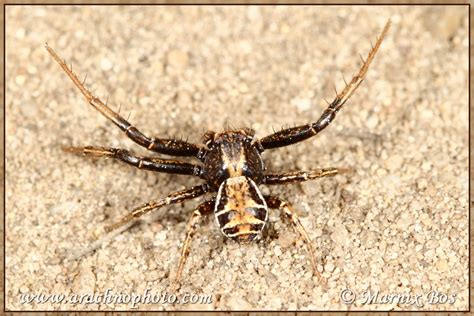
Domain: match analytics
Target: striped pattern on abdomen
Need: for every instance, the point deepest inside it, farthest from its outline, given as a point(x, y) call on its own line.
point(241, 211)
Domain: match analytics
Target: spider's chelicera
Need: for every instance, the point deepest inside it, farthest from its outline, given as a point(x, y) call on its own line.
point(230, 163)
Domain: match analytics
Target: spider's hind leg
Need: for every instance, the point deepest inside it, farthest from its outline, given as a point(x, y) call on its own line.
point(202, 210)
point(173, 198)
point(277, 203)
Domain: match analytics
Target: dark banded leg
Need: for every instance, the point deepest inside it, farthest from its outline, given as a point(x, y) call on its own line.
point(300, 176)
point(173, 198)
point(297, 134)
point(146, 163)
point(202, 210)
point(172, 147)
point(277, 203)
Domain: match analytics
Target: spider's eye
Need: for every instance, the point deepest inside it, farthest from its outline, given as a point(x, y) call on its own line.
point(222, 174)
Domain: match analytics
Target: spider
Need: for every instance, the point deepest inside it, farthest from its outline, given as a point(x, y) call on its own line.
point(230, 163)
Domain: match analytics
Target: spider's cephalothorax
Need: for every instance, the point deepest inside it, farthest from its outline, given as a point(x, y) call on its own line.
point(231, 154)
point(229, 162)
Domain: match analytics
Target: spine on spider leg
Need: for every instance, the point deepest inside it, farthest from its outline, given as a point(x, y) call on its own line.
point(330, 113)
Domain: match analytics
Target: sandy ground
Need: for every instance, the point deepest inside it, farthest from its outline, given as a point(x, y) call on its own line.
point(398, 225)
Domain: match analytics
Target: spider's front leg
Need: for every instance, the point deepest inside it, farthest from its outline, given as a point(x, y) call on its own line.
point(173, 198)
point(297, 134)
point(204, 209)
point(171, 147)
point(146, 163)
point(277, 203)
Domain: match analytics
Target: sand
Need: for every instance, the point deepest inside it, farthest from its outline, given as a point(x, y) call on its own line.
point(397, 225)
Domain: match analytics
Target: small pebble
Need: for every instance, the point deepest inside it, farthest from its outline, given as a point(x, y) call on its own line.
point(178, 59)
point(85, 282)
point(285, 239)
point(340, 235)
point(372, 122)
point(302, 104)
point(394, 162)
point(275, 303)
point(236, 303)
point(106, 64)
point(426, 166)
point(20, 80)
point(422, 184)
point(277, 251)
point(152, 276)
point(442, 265)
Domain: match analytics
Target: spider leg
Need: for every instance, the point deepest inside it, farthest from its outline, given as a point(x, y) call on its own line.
point(172, 147)
point(300, 176)
point(146, 163)
point(277, 203)
point(297, 134)
point(202, 210)
point(173, 198)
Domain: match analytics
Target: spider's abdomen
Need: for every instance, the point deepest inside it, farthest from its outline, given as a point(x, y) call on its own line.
point(240, 210)
point(231, 154)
